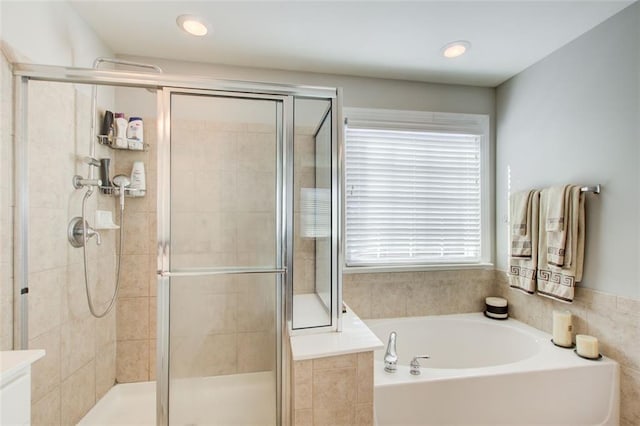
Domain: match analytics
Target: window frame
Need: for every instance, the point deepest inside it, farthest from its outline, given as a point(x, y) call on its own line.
point(387, 119)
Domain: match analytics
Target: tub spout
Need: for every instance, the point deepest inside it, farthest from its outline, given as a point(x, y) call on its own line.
point(391, 357)
point(414, 367)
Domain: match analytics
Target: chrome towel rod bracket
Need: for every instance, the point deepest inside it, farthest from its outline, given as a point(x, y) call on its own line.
point(595, 189)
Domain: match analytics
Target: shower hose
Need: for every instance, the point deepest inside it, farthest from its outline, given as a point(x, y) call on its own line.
point(92, 308)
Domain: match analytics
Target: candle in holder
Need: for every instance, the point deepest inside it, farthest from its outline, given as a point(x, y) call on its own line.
point(587, 346)
point(562, 328)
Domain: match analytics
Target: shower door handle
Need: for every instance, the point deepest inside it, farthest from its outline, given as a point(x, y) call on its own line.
point(220, 271)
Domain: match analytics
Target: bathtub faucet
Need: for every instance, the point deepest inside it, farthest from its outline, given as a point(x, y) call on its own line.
point(391, 357)
point(414, 367)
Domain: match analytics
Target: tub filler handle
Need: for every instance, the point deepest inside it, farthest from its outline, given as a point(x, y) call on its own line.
point(415, 365)
point(391, 356)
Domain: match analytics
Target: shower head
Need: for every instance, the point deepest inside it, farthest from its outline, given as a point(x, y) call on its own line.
point(121, 181)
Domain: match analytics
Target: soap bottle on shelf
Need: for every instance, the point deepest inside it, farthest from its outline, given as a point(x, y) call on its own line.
point(121, 131)
point(106, 131)
point(138, 185)
point(135, 134)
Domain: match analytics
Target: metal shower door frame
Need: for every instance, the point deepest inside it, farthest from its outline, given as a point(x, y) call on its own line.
point(284, 132)
point(24, 73)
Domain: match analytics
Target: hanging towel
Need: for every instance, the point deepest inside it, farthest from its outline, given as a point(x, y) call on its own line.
point(521, 224)
point(557, 207)
point(523, 268)
point(554, 281)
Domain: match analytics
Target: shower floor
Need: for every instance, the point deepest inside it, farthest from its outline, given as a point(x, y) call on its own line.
point(239, 399)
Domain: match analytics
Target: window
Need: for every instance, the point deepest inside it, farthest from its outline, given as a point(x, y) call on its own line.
point(416, 189)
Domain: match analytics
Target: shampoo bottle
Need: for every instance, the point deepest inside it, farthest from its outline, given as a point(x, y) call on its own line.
point(121, 131)
point(135, 134)
point(138, 180)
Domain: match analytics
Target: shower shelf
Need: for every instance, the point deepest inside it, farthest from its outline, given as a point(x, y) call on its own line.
point(112, 190)
point(107, 141)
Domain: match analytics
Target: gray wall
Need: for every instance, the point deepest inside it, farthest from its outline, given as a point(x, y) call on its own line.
point(574, 117)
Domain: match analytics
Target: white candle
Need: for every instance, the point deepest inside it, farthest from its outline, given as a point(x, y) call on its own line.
point(562, 328)
point(587, 346)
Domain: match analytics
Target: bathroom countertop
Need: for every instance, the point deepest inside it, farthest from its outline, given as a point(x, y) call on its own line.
point(354, 337)
point(13, 361)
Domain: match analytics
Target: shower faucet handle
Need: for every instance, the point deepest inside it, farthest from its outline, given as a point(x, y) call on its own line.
point(91, 233)
point(414, 367)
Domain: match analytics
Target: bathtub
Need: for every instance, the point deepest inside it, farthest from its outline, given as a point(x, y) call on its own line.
point(489, 372)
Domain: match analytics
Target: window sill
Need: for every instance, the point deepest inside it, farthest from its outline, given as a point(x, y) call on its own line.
point(415, 268)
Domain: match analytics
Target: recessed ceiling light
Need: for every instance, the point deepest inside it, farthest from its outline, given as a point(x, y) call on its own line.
point(192, 25)
point(455, 49)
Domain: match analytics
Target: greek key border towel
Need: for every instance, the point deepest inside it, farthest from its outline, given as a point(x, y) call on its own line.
point(558, 282)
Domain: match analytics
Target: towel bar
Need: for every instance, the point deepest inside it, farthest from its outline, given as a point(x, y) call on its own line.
point(595, 189)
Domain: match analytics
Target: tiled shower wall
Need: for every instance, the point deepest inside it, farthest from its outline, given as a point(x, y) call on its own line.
point(614, 320)
point(223, 215)
point(79, 366)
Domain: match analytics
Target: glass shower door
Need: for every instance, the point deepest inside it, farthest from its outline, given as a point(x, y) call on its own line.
point(223, 255)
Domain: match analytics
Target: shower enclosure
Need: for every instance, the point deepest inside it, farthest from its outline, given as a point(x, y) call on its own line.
point(247, 195)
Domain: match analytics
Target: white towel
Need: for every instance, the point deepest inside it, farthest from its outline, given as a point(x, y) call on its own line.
point(558, 282)
point(522, 270)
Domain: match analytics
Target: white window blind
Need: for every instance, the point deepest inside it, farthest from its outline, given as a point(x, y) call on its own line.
point(412, 197)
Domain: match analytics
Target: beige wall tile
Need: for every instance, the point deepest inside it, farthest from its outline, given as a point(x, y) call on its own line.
point(106, 329)
point(303, 385)
point(132, 361)
point(136, 230)
point(203, 355)
point(49, 251)
point(45, 296)
point(256, 352)
point(45, 374)
point(629, 395)
point(105, 363)
point(332, 362)
point(618, 335)
point(206, 313)
point(133, 318)
point(364, 415)
point(334, 389)
point(256, 231)
point(74, 296)
point(365, 378)
point(256, 152)
point(134, 276)
point(357, 295)
point(78, 394)
point(333, 416)
point(78, 345)
point(46, 411)
point(256, 304)
point(303, 417)
point(389, 300)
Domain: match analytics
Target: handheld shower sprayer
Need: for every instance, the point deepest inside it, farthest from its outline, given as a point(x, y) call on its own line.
point(122, 182)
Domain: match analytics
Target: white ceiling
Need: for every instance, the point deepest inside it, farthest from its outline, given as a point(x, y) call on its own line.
point(388, 39)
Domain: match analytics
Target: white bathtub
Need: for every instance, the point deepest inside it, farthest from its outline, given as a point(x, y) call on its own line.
point(489, 372)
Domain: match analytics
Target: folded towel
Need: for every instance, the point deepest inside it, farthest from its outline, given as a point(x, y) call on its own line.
point(554, 281)
point(522, 270)
point(557, 207)
point(520, 215)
